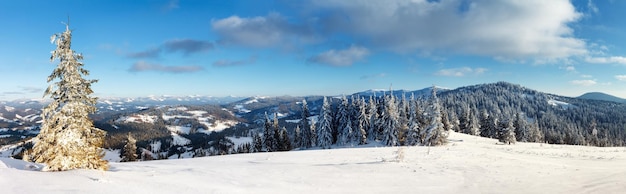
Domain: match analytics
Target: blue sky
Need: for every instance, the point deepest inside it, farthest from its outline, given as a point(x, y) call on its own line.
point(325, 47)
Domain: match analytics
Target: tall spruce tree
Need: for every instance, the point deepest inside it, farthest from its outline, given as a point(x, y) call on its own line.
point(413, 133)
point(306, 137)
point(268, 135)
point(521, 128)
point(277, 140)
point(474, 129)
point(534, 134)
point(454, 121)
point(257, 142)
point(373, 117)
point(436, 134)
point(284, 140)
point(68, 140)
point(464, 120)
point(130, 149)
point(324, 130)
point(379, 124)
point(297, 137)
point(345, 138)
point(390, 121)
point(403, 118)
point(506, 131)
point(344, 122)
point(363, 123)
point(445, 120)
point(488, 126)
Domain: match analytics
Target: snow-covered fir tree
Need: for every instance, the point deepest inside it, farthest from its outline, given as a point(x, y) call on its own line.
point(345, 137)
point(277, 140)
point(506, 131)
point(403, 118)
point(67, 139)
point(363, 124)
point(284, 141)
point(313, 133)
point(521, 128)
point(373, 118)
point(130, 149)
point(257, 142)
point(488, 126)
point(534, 134)
point(390, 122)
point(306, 137)
point(435, 133)
point(344, 123)
point(324, 127)
point(445, 120)
point(268, 135)
point(474, 128)
point(454, 121)
point(297, 137)
point(464, 121)
point(413, 132)
point(379, 124)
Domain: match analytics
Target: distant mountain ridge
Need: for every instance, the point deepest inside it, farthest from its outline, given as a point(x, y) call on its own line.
point(426, 92)
point(601, 96)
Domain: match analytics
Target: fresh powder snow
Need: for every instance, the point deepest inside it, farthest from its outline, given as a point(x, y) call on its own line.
point(467, 164)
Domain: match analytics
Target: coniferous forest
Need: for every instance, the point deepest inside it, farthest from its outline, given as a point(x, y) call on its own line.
point(504, 111)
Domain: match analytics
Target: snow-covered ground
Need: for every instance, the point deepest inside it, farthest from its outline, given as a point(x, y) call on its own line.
point(468, 164)
point(563, 105)
point(140, 118)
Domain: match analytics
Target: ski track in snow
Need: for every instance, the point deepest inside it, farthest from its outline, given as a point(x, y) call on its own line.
point(468, 164)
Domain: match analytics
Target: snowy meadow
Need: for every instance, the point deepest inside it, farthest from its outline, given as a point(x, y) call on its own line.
point(467, 164)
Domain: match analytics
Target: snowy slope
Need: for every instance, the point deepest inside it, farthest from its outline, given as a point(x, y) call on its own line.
point(468, 164)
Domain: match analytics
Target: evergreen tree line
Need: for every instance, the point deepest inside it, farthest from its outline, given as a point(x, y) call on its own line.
point(485, 109)
point(390, 120)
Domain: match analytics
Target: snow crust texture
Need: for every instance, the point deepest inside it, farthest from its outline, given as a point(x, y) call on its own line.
point(467, 164)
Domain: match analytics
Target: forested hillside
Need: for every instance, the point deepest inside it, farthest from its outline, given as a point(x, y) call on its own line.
point(504, 111)
point(562, 120)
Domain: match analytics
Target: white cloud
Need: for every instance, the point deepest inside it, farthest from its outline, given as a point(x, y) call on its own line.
point(570, 69)
point(586, 82)
point(340, 57)
point(261, 31)
point(460, 72)
point(187, 46)
point(227, 63)
point(620, 77)
point(586, 76)
point(607, 60)
point(536, 29)
point(141, 66)
point(592, 7)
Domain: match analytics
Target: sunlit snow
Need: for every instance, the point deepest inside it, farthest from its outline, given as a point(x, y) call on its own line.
point(139, 118)
point(563, 105)
point(468, 164)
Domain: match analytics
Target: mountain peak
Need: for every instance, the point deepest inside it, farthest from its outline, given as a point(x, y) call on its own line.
point(601, 96)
